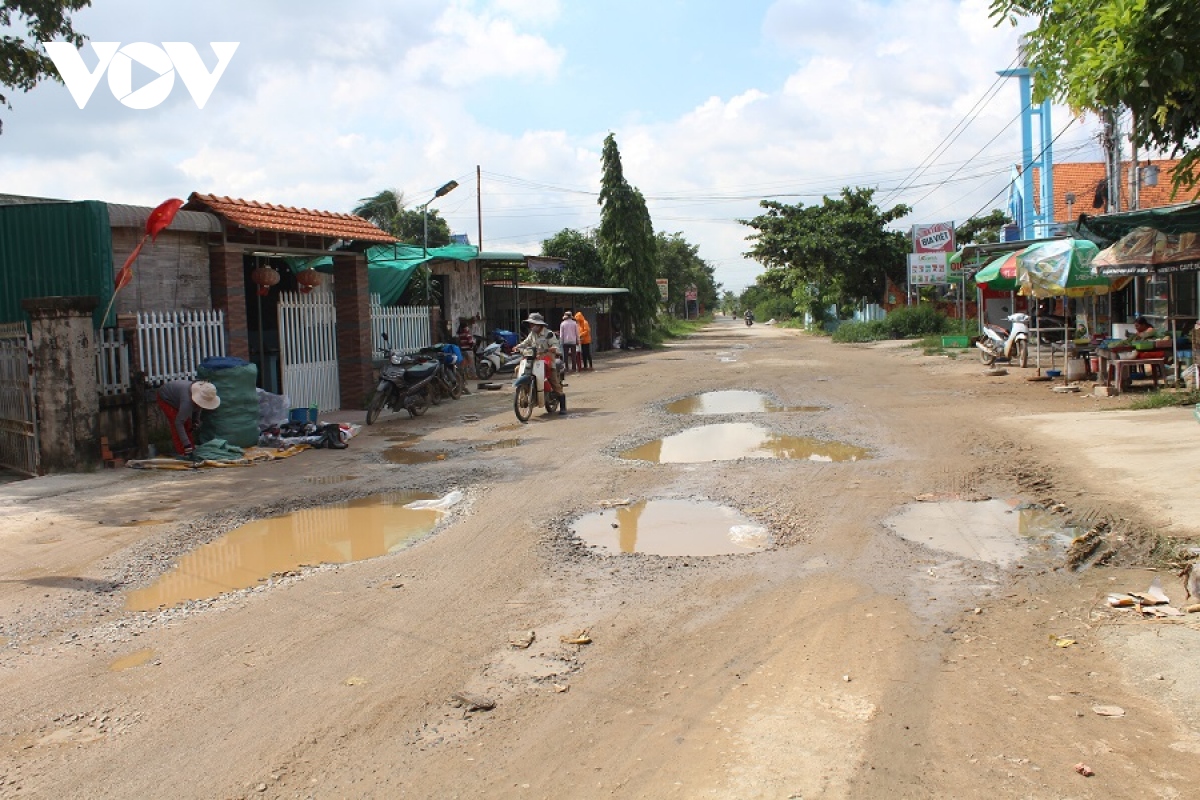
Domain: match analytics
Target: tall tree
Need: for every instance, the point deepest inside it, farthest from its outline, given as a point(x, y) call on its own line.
point(23, 62)
point(983, 229)
point(681, 265)
point(833, 253)
point(1098, 55)
point(627, 246)
point(581, 259)
point(387, 210)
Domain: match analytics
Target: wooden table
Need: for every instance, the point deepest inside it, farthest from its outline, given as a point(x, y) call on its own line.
point(1114, 370)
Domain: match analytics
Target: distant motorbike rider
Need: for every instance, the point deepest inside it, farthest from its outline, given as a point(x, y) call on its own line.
point(749, 315)
point(545, 342)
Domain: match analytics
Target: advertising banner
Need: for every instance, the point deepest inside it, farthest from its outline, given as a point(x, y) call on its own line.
point(927, 269)
point(935, 238)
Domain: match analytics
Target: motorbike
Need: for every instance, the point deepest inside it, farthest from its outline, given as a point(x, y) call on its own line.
point(532, 385)
point(492, 360)
point(449, 379)
point(749, 320)
point(404, 383)
point(1012, 344)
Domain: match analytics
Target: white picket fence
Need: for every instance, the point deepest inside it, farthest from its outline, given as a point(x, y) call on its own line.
point(308, 349)
point(407, 327)
point(172, 344)
point(112, 361)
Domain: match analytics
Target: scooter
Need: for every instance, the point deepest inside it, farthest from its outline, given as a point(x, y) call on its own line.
point(404, 383)
point(1012, 344)
point(532, 387)
point(492, 360)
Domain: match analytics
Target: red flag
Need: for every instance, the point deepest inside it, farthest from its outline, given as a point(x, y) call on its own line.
point(125, 275)
point(161, 217)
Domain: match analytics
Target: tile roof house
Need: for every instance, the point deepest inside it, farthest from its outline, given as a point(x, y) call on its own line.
point(253, 216)
point(1086, 180)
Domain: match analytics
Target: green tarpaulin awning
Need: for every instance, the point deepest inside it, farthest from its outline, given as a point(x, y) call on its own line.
point(390, 267)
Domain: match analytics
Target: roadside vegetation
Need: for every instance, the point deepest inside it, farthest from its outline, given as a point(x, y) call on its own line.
point(1165, 398)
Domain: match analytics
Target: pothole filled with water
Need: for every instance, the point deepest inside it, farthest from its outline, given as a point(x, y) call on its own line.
point(733, 440)
point(404, 454)
point(132, 660)
point(672, 528)
point(994, 531)
point(337, 533)
point(502, 444)
point(731, 401)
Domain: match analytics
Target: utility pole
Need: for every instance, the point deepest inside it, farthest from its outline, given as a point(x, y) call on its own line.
point(479, 205)
point(1111, 141)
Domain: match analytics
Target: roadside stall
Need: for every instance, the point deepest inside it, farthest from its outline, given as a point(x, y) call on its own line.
point(1147, 251)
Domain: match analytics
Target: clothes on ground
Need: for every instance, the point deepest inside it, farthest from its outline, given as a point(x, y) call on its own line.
point(218, 450)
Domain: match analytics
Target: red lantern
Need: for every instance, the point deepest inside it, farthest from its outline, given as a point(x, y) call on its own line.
point(308, 279)
point(264, 277)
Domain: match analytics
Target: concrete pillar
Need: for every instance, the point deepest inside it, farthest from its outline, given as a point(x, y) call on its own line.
point(225, 266)
point(355, 374)
point(66, 391)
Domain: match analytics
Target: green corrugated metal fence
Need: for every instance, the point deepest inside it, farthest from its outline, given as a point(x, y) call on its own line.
point(54, 250)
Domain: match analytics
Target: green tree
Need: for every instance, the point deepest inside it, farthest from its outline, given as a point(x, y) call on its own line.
point(23, 62)
point(627, 246)
point(1098, 55)
point(580, 254)
point(387, 210)
point(983, 229)
point(680, 263)
point(834, 253)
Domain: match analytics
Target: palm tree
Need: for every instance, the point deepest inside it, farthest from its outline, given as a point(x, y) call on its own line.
point(384, 208)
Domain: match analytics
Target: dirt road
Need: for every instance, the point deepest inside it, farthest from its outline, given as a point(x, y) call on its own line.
point(844, 661)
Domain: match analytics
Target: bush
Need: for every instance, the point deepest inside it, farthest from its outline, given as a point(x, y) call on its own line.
point(921, 320)
point(860, 332)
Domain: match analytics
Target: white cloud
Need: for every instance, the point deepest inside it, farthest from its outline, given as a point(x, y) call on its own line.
point(470, 48)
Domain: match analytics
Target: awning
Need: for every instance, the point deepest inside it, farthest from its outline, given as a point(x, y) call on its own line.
point(1108, 228)
point(580, 290)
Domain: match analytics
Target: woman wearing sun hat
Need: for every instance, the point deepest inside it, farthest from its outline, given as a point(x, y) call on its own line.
point(181, 402)
point(545, 341)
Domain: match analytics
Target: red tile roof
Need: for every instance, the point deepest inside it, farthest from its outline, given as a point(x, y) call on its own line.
point(257, 216)
point(1084, 178)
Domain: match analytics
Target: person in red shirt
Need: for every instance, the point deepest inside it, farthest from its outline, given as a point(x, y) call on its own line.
point(466, 343)
point(181, 403)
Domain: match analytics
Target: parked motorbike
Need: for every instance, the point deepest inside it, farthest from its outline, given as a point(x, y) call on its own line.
point(404, 383)
point(1012, 343)
point(492, 360)
point(532, 384)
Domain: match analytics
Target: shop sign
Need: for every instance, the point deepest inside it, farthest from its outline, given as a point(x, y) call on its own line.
point(935, 238)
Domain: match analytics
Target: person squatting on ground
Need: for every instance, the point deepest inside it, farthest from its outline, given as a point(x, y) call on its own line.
point(584, 358)
point(568, 334)
point(181, 402)
point(543, 340)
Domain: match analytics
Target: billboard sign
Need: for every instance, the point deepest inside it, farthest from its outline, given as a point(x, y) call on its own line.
point(927, 269)
point(662, 288)
point(935, 238)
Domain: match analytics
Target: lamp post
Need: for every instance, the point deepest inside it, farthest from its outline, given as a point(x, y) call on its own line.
point(441, 192)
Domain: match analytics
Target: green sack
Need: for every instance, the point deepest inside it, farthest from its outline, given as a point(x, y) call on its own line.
point(236, 419)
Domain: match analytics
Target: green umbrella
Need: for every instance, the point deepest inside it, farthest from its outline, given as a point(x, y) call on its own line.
point(999, 275)
point(1060, 267)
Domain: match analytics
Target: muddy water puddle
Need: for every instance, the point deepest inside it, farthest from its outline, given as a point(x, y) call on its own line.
point(404, 454)
point(132, 660)
point(502, 444)
point(672, 528)
point(994, 531)
point(330, 479)
point(732, 401)
point(337, 533)
point(734, 440)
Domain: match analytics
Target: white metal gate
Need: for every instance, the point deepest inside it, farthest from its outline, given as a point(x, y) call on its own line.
point(18, 417)
point(308, 349)
point(407, 327)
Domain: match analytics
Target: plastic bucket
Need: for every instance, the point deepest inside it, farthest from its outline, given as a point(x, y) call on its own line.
point(1076, 369)
point(303, 415)
point(1095, 364)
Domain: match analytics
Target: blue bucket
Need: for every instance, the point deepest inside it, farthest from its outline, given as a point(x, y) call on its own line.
point(303, 415)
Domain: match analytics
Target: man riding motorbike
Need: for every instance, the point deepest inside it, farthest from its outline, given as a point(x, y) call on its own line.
point(545, 342)
point(749, 316)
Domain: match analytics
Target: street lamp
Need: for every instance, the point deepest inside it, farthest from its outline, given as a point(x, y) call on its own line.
point(441, 192)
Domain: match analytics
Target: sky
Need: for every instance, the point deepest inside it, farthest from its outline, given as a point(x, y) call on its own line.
point(715, 105)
